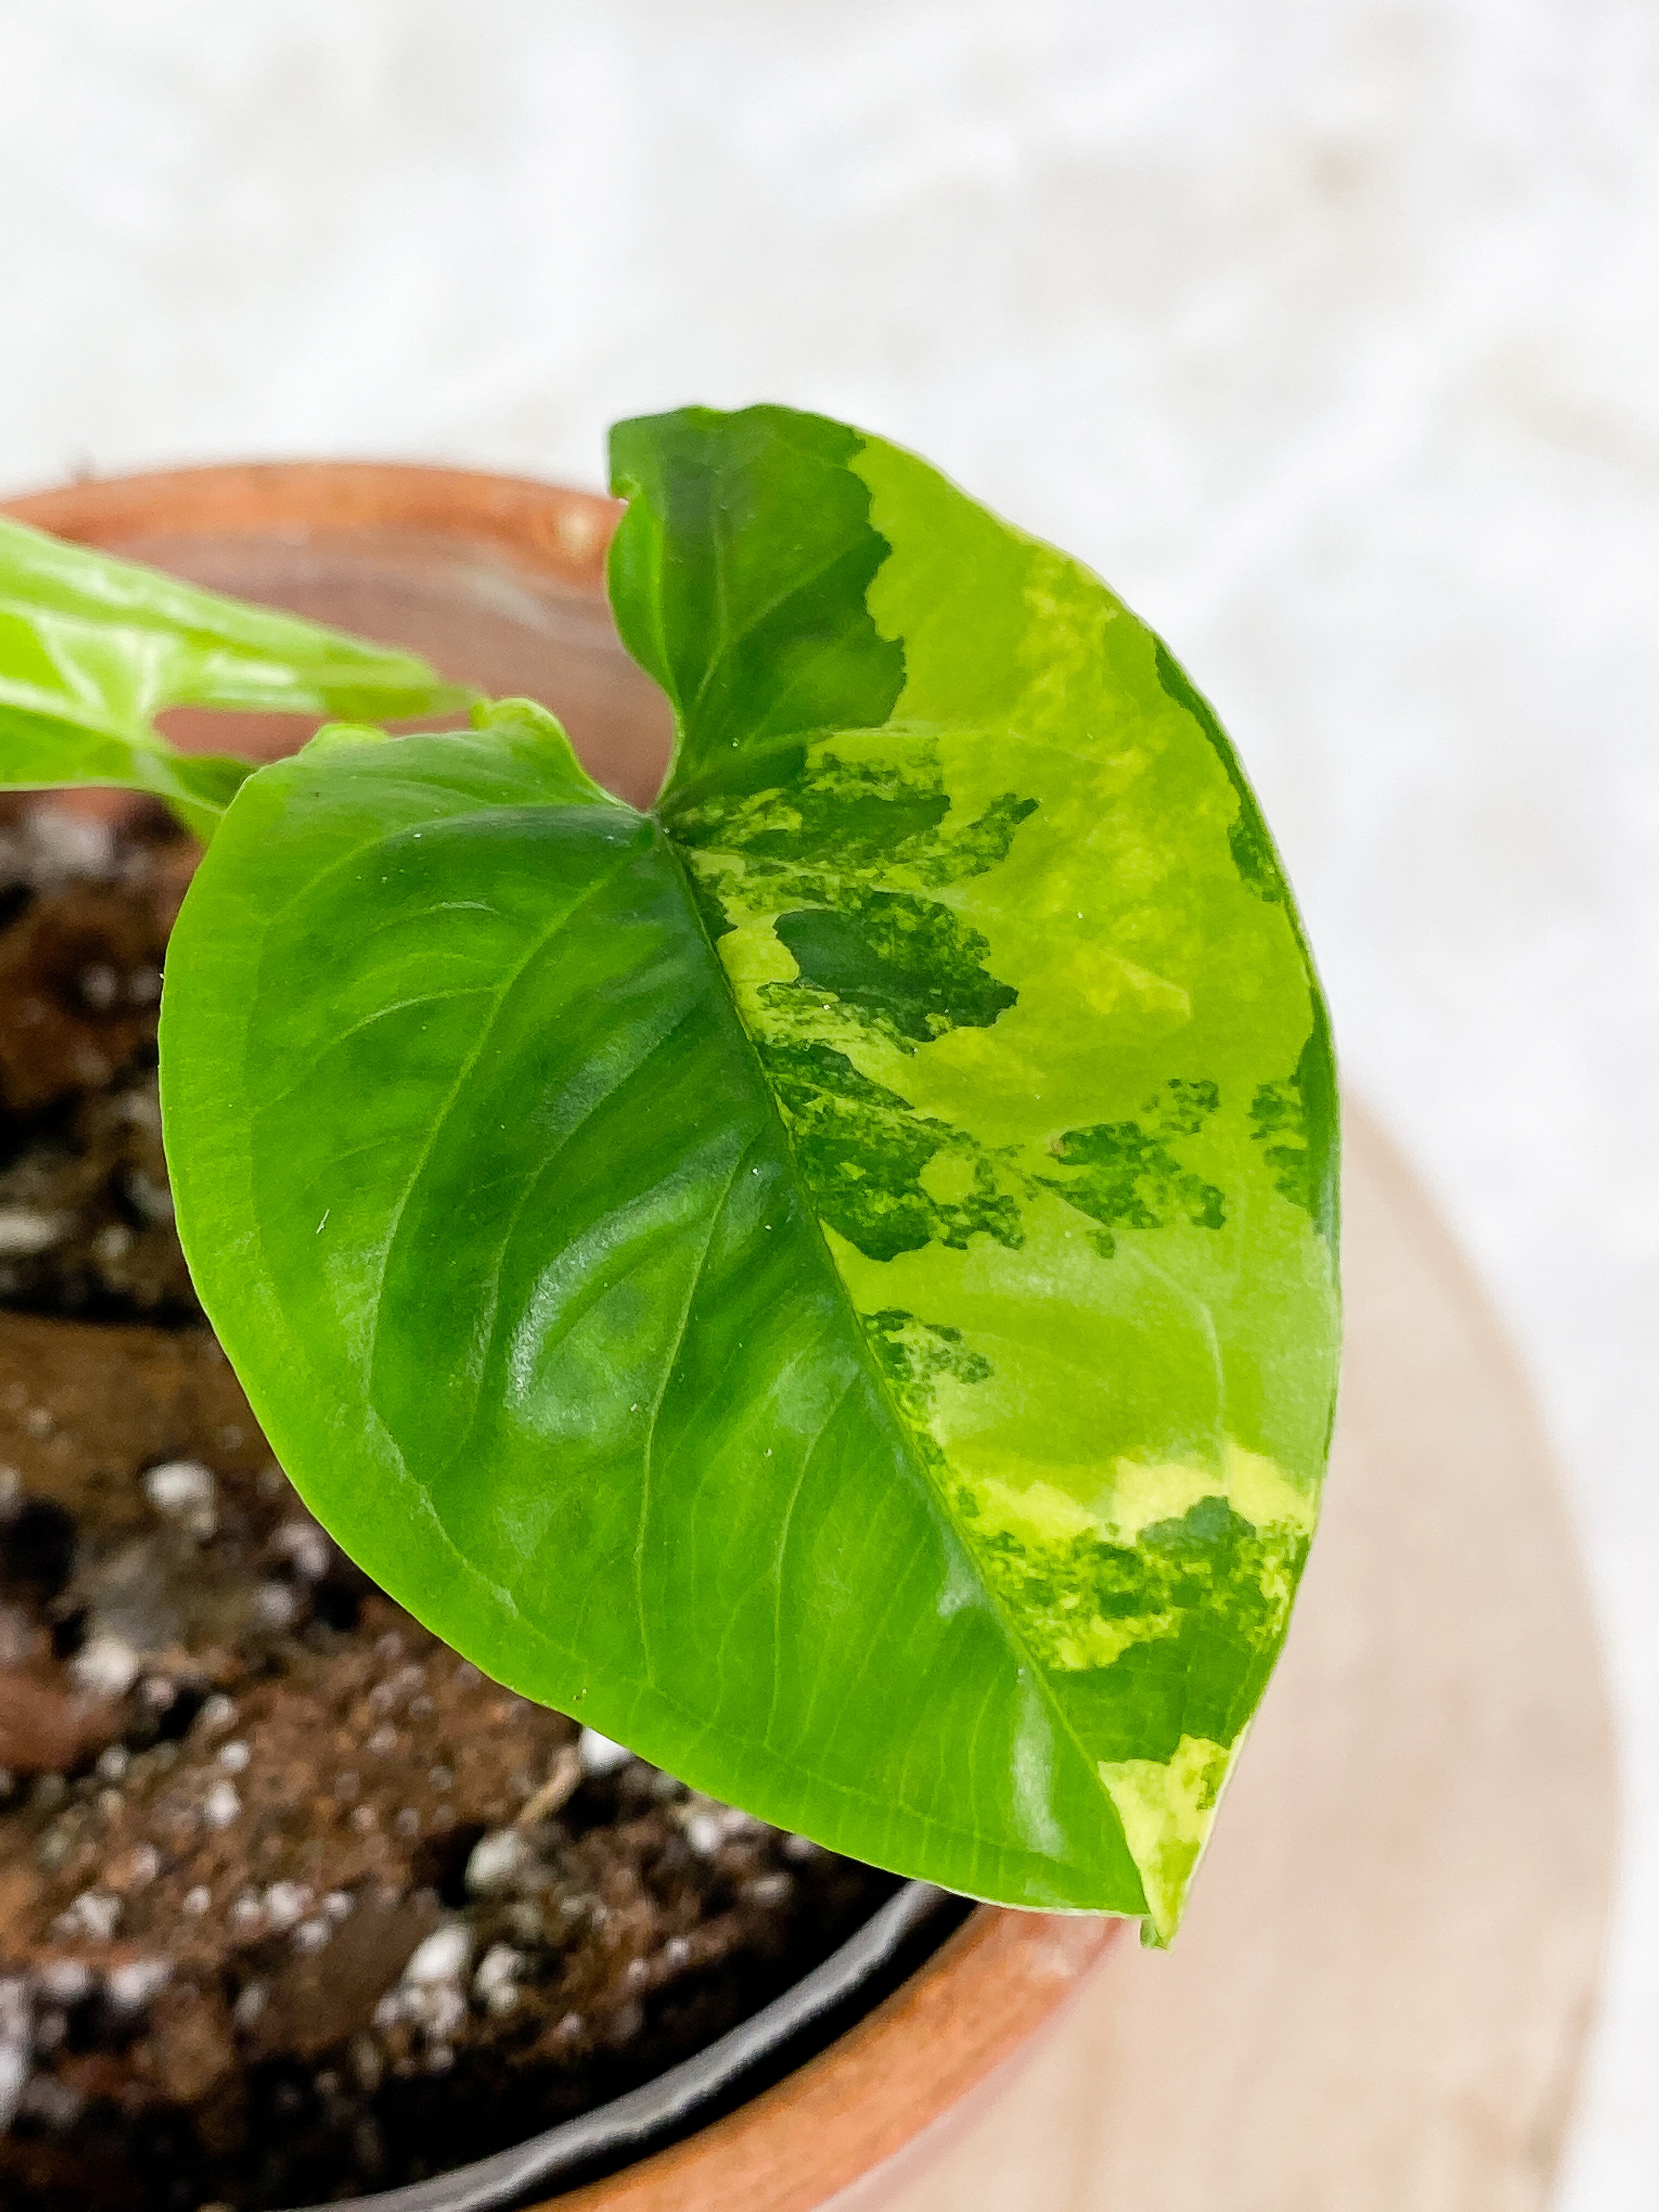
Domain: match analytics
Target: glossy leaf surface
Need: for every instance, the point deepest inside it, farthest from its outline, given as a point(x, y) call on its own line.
point(92, 648)
point(833, 1283)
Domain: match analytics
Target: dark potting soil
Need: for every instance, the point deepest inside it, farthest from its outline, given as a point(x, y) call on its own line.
point(294, 1902)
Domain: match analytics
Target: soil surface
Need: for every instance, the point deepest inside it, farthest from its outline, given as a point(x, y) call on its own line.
point(294, 1902)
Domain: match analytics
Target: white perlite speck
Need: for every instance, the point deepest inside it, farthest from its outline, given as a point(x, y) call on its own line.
point(497, 1861)
point(107, 1666)
point(444, 1956)
point(767, 1888)
point(703, 1832)
point(276, 1605)
point(135, 1869)
point(499, 1967)
point(441, 2008)
point(71, 844)
point(599, 1755)
point(13, 2073)
point(153, 1200)
point(222, 1805)
point(303, 1543)
point(96, 1913)
point(132, 1986)
point(181, 1488)
point(25, 1234)
point(706, 1825)
point(100, 986)
point(287, 1903)
point(65, 1981)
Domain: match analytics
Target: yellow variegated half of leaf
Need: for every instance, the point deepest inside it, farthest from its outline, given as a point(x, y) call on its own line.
point(1014, 949)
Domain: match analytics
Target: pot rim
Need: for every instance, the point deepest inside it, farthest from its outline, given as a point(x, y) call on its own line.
point(559, 533)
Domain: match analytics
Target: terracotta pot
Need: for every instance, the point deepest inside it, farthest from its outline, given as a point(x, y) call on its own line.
point(501, 581)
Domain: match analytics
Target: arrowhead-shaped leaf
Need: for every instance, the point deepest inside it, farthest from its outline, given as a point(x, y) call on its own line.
point(93, 647)
point(832, 1282)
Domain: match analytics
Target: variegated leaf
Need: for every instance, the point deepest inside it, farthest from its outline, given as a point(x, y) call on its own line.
point(835, 1284)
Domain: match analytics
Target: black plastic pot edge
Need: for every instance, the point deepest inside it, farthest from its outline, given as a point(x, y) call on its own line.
point(760, 2051)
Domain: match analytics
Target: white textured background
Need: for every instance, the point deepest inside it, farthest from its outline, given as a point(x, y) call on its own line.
point(1329, 333)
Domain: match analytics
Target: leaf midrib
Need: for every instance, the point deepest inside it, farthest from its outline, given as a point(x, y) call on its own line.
point(878, 1382)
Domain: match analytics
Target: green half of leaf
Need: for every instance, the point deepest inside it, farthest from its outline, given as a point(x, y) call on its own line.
point(834, 1282)
point(93, 647)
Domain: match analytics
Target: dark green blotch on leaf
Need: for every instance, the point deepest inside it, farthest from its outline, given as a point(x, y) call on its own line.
point(909, 963)
point(914, 1355)
point(869, 815)
point(1217, 1581)
point(862, 1149)
point(1128, 1175)
point(1295, 1123)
